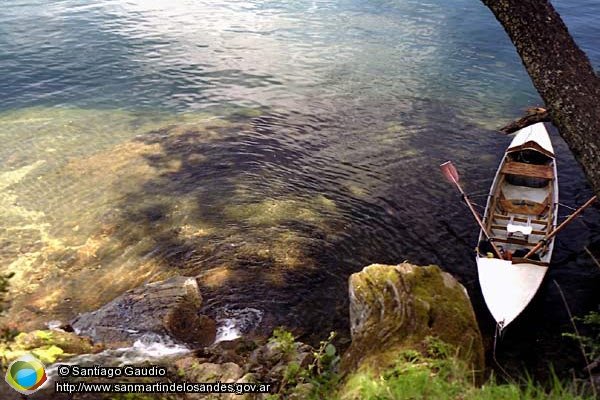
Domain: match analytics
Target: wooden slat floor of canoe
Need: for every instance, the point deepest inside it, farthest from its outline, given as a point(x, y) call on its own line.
point(513, 240)
point(520, 219)
point(503, 228)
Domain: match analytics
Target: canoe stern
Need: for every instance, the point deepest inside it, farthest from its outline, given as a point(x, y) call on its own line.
point(508, 288)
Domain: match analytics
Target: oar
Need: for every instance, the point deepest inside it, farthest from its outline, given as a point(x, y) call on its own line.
point(452, 174)
point(558, 228)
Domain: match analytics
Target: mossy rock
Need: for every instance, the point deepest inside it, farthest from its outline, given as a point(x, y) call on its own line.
point(394, 308)
point(48, 345)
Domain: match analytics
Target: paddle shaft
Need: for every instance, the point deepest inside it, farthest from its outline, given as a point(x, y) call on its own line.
point(479, 221)
point(559, 228)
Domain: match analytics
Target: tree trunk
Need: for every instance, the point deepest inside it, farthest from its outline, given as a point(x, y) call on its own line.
point(561, 73)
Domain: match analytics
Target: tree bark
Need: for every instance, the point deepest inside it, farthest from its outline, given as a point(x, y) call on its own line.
point(561, 73)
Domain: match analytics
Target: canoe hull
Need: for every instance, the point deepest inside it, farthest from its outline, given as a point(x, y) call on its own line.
point(508, 288)
point(521, 210)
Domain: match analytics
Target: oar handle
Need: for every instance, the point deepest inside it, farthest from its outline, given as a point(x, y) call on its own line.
point(560, 227)
point(478, 219)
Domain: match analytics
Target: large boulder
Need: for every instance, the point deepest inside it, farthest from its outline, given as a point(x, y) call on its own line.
point(167, 308)
point(394, 308)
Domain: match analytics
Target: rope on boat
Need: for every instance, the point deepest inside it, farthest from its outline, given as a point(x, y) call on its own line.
point(566, 206)
point(478, 205)
point(479, 194)
point(475, 204)
point(500, 332)
point(568, 215)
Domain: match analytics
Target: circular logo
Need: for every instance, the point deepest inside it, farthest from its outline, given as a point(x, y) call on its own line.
point(26, 374)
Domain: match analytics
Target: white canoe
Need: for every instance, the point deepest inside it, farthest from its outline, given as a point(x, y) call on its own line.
point(521, 210)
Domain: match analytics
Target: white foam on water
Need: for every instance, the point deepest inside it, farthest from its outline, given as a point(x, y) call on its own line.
point(148, 348)
point(227, 331)
point(234, 322)
point(54, 324)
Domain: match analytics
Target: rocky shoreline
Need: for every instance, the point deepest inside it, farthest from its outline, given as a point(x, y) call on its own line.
point(397, 313)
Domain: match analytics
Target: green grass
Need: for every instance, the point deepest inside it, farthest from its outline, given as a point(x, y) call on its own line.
point(436, 373)
point(441, 375)
point(421, 383)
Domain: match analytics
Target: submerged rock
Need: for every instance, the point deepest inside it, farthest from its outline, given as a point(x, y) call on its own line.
point(167, 308)
point(394, 308)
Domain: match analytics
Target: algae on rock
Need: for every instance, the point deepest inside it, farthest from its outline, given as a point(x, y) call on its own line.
point(394, 308)
point(48, 345)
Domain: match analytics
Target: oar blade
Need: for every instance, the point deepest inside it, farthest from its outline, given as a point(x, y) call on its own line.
point(450, 171)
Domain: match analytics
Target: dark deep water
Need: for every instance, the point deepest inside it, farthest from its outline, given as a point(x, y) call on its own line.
point(273, 148)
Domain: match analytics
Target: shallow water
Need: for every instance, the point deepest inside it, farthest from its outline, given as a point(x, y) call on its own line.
point(270, 148)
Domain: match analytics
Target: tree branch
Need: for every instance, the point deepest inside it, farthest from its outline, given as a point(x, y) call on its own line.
point(534, 115)
point(561, 73)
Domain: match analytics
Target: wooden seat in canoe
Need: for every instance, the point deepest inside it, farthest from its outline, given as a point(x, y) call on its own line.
point(521, 206)
point(526, 207)
point(530, 170)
